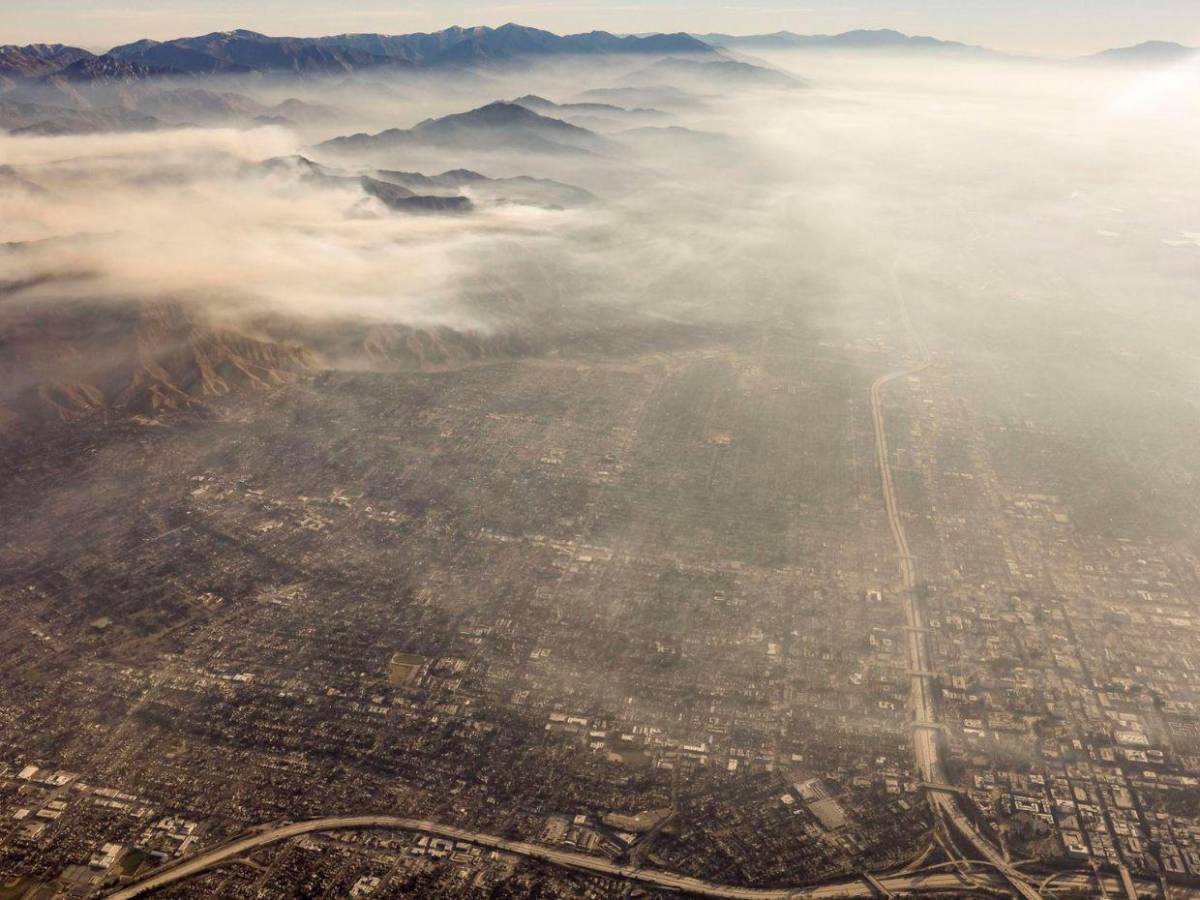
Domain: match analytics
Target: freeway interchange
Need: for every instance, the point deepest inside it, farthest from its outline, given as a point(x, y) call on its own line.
point(928, 881)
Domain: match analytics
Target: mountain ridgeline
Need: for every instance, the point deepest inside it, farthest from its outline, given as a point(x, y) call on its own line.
point(498, 125)
point(241, 52)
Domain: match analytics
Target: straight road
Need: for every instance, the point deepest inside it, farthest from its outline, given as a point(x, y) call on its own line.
point(926, 749)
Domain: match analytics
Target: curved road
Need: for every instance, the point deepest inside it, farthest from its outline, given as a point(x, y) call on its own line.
point(239, 847)
point(917, 883)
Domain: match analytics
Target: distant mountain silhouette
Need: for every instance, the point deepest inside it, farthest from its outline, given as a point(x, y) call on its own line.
point(656, 95)
point(1152, 53)
point(544, 106)
point(41, 118)
point(601, 117)
point(196, 105)
point(12, 180)
point(496, 126)
point(192, 105)
point(860, 39)
point(128, 107)
point(717, 73)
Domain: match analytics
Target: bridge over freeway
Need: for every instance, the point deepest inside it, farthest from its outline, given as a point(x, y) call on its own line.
point(935, 786)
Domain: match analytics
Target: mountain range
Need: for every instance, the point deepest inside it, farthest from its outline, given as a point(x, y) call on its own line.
point(147, 110)
point(889, 40)
point(860, 39)
point(242, 52)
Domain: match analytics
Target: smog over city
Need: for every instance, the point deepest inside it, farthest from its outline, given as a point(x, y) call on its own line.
point(637, 452)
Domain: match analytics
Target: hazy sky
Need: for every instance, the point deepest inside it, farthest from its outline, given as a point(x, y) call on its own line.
point(1053, 27)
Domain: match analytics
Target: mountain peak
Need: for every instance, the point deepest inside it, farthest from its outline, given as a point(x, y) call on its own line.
point(1147, 52)
point(498, 112)
point(1159, 45)
point(499, 124)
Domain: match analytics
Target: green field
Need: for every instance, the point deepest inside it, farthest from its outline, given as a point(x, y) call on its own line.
point(132, 862)
point(404, 667)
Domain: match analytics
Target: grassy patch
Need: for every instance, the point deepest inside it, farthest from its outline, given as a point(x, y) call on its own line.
point(404, 667)
point(132, 861)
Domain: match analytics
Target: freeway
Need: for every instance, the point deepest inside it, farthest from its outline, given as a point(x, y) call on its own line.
point(926, 748)
point(920, 883)
point(239, 847)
